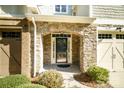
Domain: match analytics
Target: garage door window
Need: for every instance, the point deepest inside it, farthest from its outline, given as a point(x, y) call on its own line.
point(11, 35)
point(119, 36)
point(104, 36)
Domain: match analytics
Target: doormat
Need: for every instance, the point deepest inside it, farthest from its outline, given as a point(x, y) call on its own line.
point(63, 65)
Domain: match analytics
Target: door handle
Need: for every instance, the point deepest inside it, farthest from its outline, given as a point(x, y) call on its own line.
point(113, 56)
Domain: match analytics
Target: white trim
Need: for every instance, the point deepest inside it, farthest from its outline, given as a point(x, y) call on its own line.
point(108, 29)
point(97, 46)
point(12, 27)
point(109, 21)
point(90, 11)
point(53, 39)
point(62, 18)
point(41, 54)
point(70, 40)
point(12, 15)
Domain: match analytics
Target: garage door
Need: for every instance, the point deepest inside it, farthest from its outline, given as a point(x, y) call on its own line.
point(10, 53)
point(110, 50)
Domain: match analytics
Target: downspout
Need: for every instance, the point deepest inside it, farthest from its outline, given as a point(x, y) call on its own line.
point(35, 29)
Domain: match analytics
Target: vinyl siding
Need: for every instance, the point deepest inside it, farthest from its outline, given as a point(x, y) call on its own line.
point(108, 11)
point(82, 10)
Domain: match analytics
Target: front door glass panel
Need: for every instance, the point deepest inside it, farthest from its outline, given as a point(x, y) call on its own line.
point(61, 50)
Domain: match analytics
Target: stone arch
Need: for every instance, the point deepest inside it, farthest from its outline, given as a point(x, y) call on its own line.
point(86, 33)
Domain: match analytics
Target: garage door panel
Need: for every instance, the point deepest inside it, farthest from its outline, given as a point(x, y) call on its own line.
point(103, 50)
point(4, 68)
point(119, 59)
point(120, 47)
point(14, 67)
point(118, 63)
point(10, 53)
point(106, 62)
point(111, 52)
point(104, 53)
point(15, 51)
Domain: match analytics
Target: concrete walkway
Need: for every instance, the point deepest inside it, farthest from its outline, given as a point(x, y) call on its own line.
point(70, 82)
point(67, 72)
point(117, 79)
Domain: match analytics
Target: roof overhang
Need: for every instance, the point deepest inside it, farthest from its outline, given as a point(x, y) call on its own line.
point(11, 27)
point(64, 19)
point(108, 29)
point(109, 21)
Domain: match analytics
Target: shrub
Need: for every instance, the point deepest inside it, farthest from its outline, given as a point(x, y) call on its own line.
point(98, 74)
point(51, 79)
point(13, 81)
point(29, 85)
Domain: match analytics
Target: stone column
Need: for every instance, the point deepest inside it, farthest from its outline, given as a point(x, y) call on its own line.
point(89, 47)
point(25, 54)
point(81, 53)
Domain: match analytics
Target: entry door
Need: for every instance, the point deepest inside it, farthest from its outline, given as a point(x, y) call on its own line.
point(61, 50)
point(61, 46)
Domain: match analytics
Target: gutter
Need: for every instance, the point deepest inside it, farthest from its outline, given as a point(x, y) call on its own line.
point(35, 29)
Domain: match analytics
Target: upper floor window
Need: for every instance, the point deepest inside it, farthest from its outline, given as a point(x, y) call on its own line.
point(61, 8)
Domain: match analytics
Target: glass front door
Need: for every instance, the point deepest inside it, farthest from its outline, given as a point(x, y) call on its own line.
point(61, 50)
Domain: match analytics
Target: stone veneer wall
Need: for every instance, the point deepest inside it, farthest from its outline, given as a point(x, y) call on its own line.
point(75, 49)
point(87, 35)
point(47, 49)
point(25, 54)
point(88, 47)
point(32, 48)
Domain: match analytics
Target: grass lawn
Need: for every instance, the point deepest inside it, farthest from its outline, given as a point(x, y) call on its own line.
point(17, 81)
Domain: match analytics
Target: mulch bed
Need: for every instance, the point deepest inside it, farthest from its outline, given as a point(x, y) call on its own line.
point(84, 79)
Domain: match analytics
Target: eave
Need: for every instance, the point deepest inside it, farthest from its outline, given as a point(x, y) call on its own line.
point(63, 19)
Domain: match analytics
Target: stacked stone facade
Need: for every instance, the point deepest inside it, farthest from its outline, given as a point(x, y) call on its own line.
point(83, 34)
point(75, 49)
point(47, 49)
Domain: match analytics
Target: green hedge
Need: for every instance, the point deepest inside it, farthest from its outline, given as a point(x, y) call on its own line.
point(51, 79)
point(30, 86)
point(13, 81)
point(98, 74)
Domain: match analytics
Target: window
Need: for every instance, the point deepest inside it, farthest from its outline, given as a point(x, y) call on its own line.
point(11, 35)
point(61, 8)
point(105, 36)
point(61, 35)
point(119, 36)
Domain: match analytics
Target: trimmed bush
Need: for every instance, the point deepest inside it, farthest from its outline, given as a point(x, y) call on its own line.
point(51, 79)
point(98, 74)
point(30, 86)
point(13, 81)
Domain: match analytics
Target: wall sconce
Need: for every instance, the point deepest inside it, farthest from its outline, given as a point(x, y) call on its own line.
point(118, 29)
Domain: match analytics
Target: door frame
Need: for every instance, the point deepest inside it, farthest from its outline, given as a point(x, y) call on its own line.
point(69, 48)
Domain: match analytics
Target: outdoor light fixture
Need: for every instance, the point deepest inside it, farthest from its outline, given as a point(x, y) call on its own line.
point(119, 29)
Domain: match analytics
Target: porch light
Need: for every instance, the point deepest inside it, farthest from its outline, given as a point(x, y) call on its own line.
point(118, 29)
